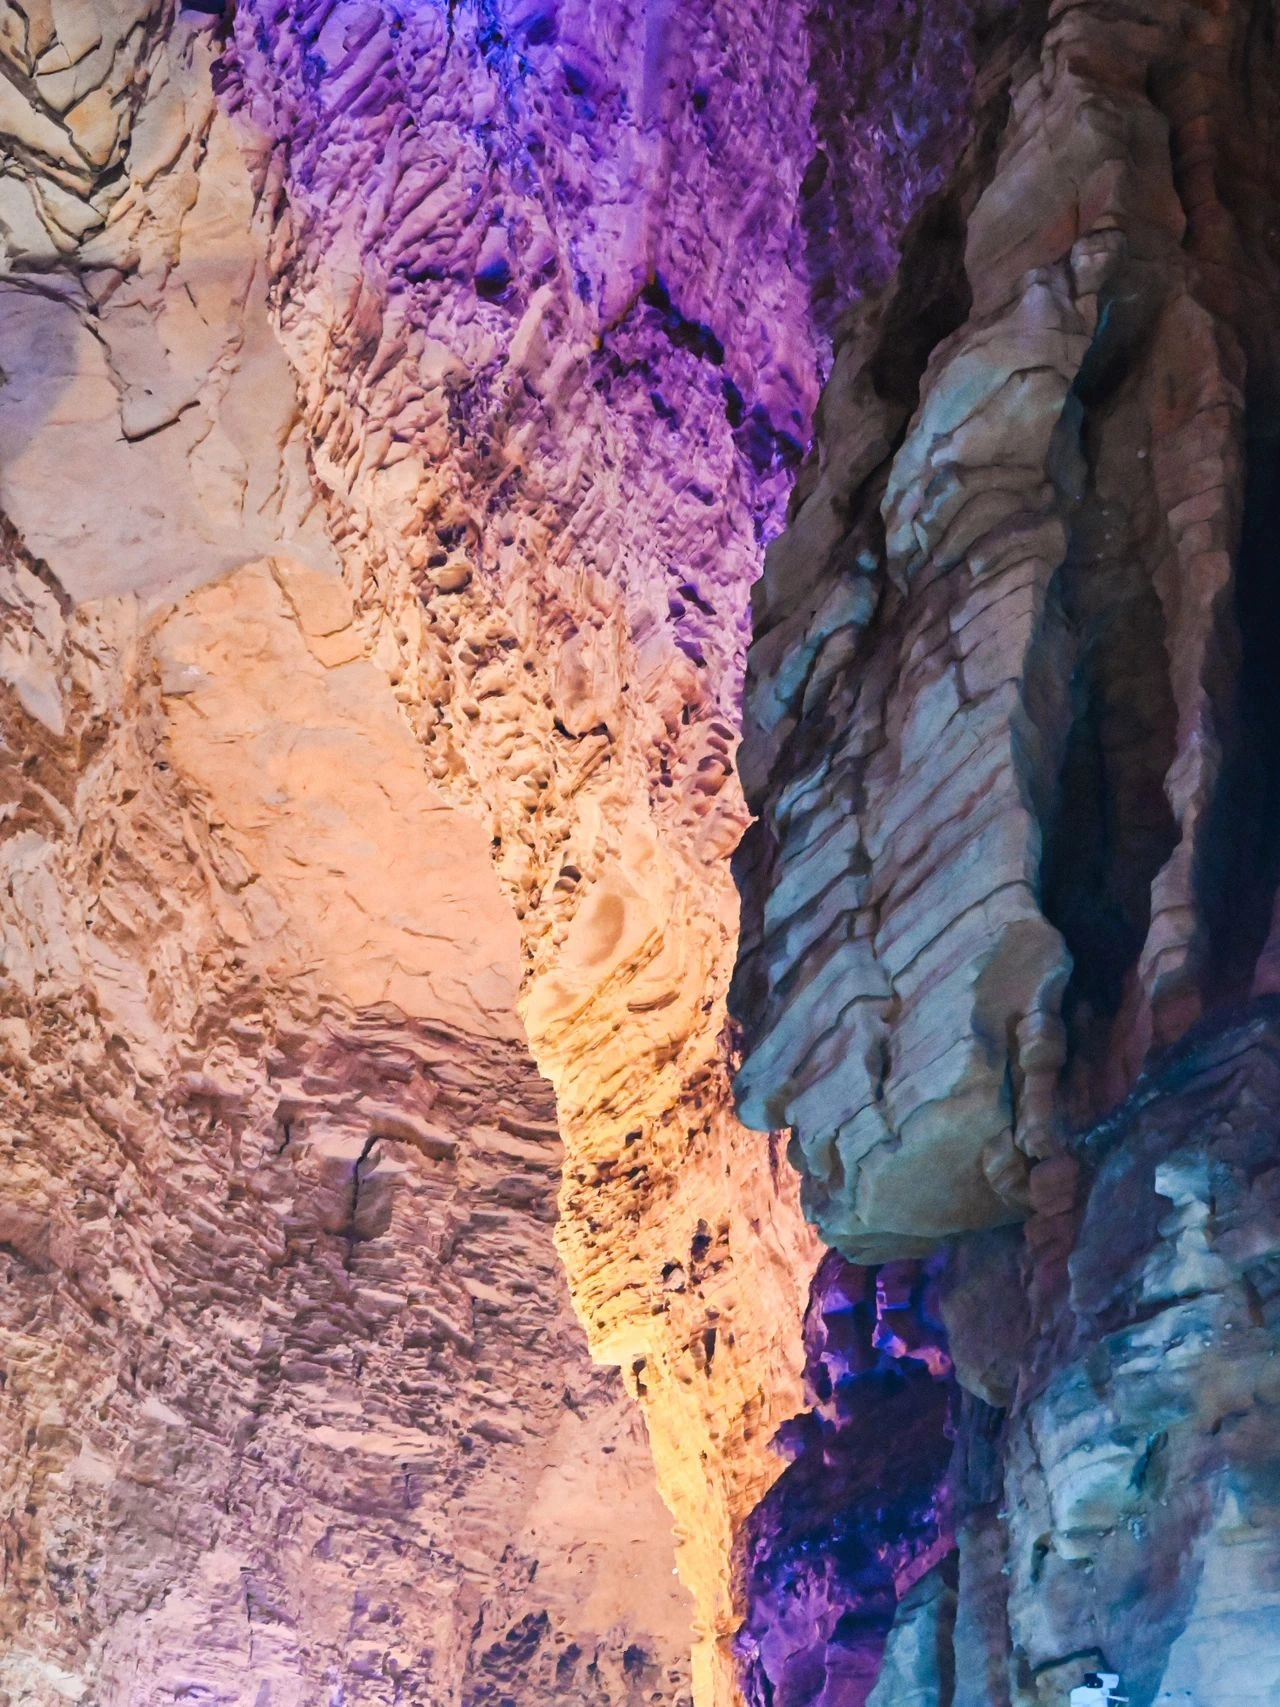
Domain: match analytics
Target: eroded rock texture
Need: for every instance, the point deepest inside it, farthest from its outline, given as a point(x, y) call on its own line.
point(1110, 1497)
point(536, 270)
point(295, 1406)
point(1013, 751)
point(1116, 1508)
point(1002, 705)
point(860, 1521)
point(394, 400)
point(1140, 1457)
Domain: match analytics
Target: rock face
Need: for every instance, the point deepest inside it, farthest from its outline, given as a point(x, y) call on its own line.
point(1110, 1498)
point(1005, 726)
point(1117, 1511)
point(393, 403)
point(295, 1406)
point(854, 1535)
point(1140, 1457)
point(1008, 944)
point(536, 271)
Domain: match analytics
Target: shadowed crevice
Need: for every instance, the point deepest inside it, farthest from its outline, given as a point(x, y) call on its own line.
point(1239, 868)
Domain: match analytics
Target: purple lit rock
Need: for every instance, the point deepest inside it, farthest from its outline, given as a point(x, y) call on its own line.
point(893, 109)
point(446, 367)
point(862, 1514)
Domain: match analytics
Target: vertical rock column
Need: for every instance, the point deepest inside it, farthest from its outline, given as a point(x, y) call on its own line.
point(994, 705)
point(541, 277)
point(1008, 908)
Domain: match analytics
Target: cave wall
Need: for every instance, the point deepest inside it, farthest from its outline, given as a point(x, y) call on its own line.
point(998, 705)
point(295, 1406)
point(1008, 904)
point(557, 361)
point(394, 404)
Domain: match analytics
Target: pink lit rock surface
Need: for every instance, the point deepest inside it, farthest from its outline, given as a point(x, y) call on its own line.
point(394, 403)
point(295, 1405)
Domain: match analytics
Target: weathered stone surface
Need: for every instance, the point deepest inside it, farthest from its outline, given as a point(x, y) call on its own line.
point(918, 1669)
point(393, 405)
point(294, 1403)
point(847, 1559)
point(495, 333)
point(1137, 1463)
point(1005, 686)
point(1117, 1511)
point(148, 364)
point(554, 394)
point(295, 740)
point(1014, 754)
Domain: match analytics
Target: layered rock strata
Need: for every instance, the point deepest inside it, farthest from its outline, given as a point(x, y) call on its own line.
point(556, 281)
point(295, 1407)
point(1013, 754)
point(1118, 1510)
point(540, 276)
point(1099, 1491)
point(500, 321)
point(1006, 730)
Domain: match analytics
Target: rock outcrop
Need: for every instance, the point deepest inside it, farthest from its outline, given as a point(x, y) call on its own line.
point(1137, 1508)
point(1005, 726)
point(1009, 904)
point(1109, 1503)
point(1116, 1509)
point(295, 1406)
point(394, 401)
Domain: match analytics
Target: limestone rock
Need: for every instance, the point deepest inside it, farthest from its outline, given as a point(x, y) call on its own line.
point(394, 405)
point(918, 1665)
point(547, 307)
point(1005, 687)
point(1008, 954)
point(1138, 1461)
point(389, 430)
point(849, 1557)
point(292, 1380)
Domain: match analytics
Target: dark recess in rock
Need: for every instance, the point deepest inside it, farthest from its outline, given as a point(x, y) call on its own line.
point(862, 1513)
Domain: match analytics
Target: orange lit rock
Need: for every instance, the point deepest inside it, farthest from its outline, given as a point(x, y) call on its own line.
point(370, 672)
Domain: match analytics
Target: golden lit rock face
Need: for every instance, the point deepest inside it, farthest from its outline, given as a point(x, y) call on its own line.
point(296, 742)
point(550, 415)
point(369, 702)
point(294, 1398)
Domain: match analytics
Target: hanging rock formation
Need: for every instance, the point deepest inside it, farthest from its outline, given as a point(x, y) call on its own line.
point(1013, 747)
point(1005, 744)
